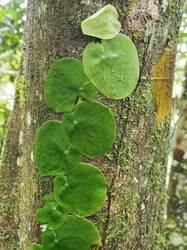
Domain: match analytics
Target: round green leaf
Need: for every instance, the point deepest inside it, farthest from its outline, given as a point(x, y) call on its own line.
point(113, 66)
point(75, 234)
point(89, 129)
point(35, 246)
point(103, 24)
point(51, 214)
point(82, 192)
point(65, 83)
point(53, 154)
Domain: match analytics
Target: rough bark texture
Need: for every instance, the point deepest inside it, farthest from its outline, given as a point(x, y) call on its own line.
point(135, 168)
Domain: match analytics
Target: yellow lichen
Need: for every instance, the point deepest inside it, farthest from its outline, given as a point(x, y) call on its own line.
point(162, 82)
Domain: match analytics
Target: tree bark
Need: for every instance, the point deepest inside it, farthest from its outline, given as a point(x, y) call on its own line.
point(133, 214)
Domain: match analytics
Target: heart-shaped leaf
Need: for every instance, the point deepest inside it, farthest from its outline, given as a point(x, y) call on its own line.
point(51, 214)
point(53, 154)
point(89, 129)
point(75, 234)
point(82, 192)
point(103, 24)
point(35, 246)
point(65, 83)
point(113, 66)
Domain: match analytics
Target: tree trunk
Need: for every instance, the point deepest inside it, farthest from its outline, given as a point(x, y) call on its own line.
point(135, 168)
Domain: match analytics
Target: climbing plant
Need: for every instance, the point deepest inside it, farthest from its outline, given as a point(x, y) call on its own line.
point(87, 128)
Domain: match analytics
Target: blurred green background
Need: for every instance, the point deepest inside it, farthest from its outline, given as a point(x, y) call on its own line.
point(12, 19)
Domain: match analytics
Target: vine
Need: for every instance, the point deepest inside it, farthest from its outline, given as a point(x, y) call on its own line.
point(87, 128)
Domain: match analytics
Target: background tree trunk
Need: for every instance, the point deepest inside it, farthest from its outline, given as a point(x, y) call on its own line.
point(135, 168)
point(177, 204)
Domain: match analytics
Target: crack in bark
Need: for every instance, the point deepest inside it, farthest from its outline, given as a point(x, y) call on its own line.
point(108, 215)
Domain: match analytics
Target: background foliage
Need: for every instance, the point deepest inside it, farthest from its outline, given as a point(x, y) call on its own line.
point(176, 228)
point(12, 18)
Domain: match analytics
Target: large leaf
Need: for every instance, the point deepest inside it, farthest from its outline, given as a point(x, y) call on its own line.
point(75, 234)
point(65, 82)
point(103, 24)
point(53, 154)
point(51, 214)
point(113, 66)
point(82, 192)
point(89, 129)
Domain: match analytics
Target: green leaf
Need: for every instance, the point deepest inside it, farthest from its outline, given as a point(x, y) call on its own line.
point(48, 198)
point(103, 24)
point(183, 34)
point(65, 83)
point(53, 154)
point(75, 234)
point(113, 66)
point(51, 214)
point(88, 92)
point(89, 129)
point(82, 192)
point(35, 246)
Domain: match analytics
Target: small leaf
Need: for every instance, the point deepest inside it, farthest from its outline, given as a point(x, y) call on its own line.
point(113, 66)
point(53, 154)
point(103, 24)
point(51, 214)
point(75, 234)
point(82, 192)
point(89, 129)
point(65, 83)
point(35, 246)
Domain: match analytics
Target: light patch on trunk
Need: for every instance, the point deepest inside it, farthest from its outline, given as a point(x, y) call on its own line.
point(87, 2)
point(21, 137)
point(142, 206)
point(19, 161)
point(42, 9)
point(32, 156)
point(153, 9)
point(135, 180)
point(165, 5)
point(145, 182)
point(28, 118)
